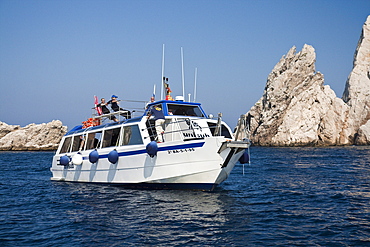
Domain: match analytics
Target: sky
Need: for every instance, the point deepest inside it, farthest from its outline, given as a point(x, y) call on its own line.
point(56, 55)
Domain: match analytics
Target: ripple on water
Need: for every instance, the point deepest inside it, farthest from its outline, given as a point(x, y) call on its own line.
point(286, 197)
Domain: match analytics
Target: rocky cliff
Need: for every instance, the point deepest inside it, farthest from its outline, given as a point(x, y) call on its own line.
point(40, 137)
point(297, 109)
point(357, 91)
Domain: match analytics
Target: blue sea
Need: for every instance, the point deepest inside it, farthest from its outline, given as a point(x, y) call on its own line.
point(285, 197)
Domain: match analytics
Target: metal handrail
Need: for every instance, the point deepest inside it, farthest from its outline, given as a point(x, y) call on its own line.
point(242, 130)
point(179, 130)
point(132, 110)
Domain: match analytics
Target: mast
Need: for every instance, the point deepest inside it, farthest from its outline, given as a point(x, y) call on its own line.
point(182, 73)
point(162, 86)
point(195, 83)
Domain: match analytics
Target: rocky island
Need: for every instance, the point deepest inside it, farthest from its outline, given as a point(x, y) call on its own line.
point(297, 109)
point(33, 137)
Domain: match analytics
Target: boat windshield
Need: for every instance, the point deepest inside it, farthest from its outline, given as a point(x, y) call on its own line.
point(184, 110)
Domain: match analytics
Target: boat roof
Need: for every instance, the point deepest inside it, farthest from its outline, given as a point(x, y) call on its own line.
point(177, 102)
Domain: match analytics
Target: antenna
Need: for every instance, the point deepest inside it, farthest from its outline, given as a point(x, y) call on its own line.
point(195, 83)
point(162, 89)
point(182, 73)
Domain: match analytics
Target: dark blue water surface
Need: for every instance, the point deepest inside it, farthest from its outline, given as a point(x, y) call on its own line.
point(286, 197)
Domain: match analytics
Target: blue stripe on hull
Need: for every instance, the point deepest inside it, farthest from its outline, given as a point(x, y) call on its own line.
point(167, 148)
point(183, 146)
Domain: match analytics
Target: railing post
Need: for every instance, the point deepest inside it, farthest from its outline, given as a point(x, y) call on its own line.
point(218, 125)
point(240, 126)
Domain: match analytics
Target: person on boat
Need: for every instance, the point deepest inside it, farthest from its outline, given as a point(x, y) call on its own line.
point(115, 107)
point(159, 120)
point(152, 99)
point(103, 105)
point(114, 103)
point(82, 142)
point(180, 111)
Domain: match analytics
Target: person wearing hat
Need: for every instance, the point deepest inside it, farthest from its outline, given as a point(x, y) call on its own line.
point(105, 109)
point(115, 107)
point(114, 103)
point(159, 119)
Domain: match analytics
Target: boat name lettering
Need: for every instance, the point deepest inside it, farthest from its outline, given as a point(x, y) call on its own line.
point(193, 135)
point(193, 124)
point(178, 151)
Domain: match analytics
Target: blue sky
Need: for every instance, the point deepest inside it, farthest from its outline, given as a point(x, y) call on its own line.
point(56, 55)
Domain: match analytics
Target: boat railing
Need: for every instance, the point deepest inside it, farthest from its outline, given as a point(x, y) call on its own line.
point(108, 115)
point(130, 109)
point(243, 128)
point(182, 129)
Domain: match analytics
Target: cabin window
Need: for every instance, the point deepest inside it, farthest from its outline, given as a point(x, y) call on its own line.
point(66, 145)
point(93, 140)
point(131, 135)
point(111, 137)
point(78, 143)
point(224, 131)
point(184, 110)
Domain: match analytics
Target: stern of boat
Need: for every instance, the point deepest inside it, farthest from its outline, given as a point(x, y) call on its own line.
point(230, 151)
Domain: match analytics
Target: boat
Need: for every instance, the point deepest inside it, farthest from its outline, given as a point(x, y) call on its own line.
point(198, 152)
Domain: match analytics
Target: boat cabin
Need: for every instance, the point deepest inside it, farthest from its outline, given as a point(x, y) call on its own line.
point(184, 121)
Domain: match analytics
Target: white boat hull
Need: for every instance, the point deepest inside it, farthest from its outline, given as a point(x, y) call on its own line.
point(196, 164)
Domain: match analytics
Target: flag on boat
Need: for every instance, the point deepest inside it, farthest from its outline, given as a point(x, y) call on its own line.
point(97, 108)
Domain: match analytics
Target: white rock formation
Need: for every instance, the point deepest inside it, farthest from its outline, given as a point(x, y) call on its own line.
point(45, 136)
point(357, 90)
point(298, 109)
point(5, 129)
point(363, 135)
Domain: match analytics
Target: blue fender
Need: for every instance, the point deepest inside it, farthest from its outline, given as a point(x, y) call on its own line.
point(152, 148)
point(113, 156)
point(64, 160)
point(94, 156)
point(244, 158)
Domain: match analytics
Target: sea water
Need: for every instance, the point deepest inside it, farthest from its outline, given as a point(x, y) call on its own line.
point(286, 197)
